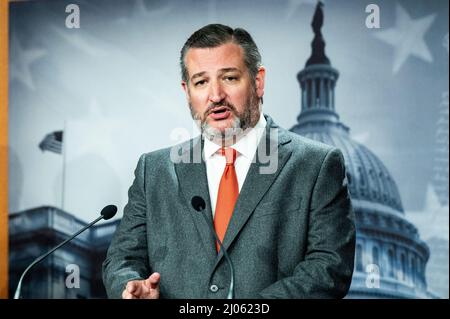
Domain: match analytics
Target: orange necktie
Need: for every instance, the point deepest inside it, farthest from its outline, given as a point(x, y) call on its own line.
point(227, 195)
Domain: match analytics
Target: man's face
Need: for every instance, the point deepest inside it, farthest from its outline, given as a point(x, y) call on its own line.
point(220, 91)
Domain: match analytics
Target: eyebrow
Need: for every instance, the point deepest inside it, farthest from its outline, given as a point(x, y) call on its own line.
point(221, 71)
point(197, 75)
point(225, 70)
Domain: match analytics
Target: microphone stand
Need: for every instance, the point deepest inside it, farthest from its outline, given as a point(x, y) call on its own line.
point(225, 254)
point(199, 205)
point(39, 259)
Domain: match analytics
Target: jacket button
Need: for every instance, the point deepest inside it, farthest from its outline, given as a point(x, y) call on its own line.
point(213, 288)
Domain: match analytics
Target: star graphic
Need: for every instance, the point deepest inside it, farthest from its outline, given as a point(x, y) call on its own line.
point(81, 41)
point(293, 6)
point(21, 61)
point(407, 37)
point(140, 10)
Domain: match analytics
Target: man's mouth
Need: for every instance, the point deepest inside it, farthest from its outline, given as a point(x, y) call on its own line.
point(220, 113)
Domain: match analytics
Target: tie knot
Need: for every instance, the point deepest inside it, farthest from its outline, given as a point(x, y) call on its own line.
point(230, 155)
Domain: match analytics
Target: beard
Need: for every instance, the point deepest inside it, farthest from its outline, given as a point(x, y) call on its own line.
point(242, 121)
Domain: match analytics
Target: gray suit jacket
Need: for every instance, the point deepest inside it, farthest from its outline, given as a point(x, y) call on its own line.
point(292, 233)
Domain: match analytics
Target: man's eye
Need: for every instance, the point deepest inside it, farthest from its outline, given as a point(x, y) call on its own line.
point(199, 83)
point(230, 78)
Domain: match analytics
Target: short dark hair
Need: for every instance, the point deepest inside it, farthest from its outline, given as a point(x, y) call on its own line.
point(214, 35)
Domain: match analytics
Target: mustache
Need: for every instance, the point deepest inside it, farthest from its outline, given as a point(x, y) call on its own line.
point(212, 106)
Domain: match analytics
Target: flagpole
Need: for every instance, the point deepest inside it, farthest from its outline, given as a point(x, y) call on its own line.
point(63, 186)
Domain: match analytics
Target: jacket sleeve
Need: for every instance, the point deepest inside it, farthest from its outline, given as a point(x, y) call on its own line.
point(327, 269)
point(127, 256)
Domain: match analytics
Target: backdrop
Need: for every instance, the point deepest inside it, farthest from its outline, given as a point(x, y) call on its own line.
point(95, 84)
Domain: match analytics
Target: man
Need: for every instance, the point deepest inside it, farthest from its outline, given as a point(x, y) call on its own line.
point(288, 228)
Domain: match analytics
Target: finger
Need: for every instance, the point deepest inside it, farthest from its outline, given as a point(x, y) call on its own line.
point(153, 281)
point(131, 286)
point(127, 295)
point(134, 287)
point(155, 278)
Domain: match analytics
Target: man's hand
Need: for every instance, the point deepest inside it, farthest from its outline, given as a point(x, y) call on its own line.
point(143, 289)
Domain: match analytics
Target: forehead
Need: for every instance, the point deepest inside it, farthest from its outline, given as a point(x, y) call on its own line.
point(210, 60)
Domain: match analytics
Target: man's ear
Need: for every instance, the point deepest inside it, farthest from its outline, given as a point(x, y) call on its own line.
point(185, 87)
point(260, 80)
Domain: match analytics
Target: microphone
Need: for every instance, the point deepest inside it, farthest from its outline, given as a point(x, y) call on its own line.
point(107, 213)
point(199, 205)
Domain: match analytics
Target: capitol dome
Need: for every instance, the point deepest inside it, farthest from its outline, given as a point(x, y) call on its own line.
point(368, 178)
point(390, 257)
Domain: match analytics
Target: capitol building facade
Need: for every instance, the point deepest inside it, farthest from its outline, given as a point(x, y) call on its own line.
point(390, 256)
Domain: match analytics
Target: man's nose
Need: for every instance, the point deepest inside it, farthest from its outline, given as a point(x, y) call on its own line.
point(216, 93)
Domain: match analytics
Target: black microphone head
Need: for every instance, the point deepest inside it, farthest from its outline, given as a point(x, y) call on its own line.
point(198, 203)
point(108, 212)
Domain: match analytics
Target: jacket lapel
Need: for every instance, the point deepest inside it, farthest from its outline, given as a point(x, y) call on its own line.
point(271, 149)
point(191, 173)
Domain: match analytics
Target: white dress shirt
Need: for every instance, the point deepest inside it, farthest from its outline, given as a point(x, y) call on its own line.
point(215, 162)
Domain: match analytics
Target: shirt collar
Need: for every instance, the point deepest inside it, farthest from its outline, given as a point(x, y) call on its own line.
point(246, 146)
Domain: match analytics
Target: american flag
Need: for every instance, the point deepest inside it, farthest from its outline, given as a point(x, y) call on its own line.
point(52, 142)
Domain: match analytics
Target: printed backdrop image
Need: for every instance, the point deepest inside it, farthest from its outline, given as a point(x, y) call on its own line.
point(95, 84)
